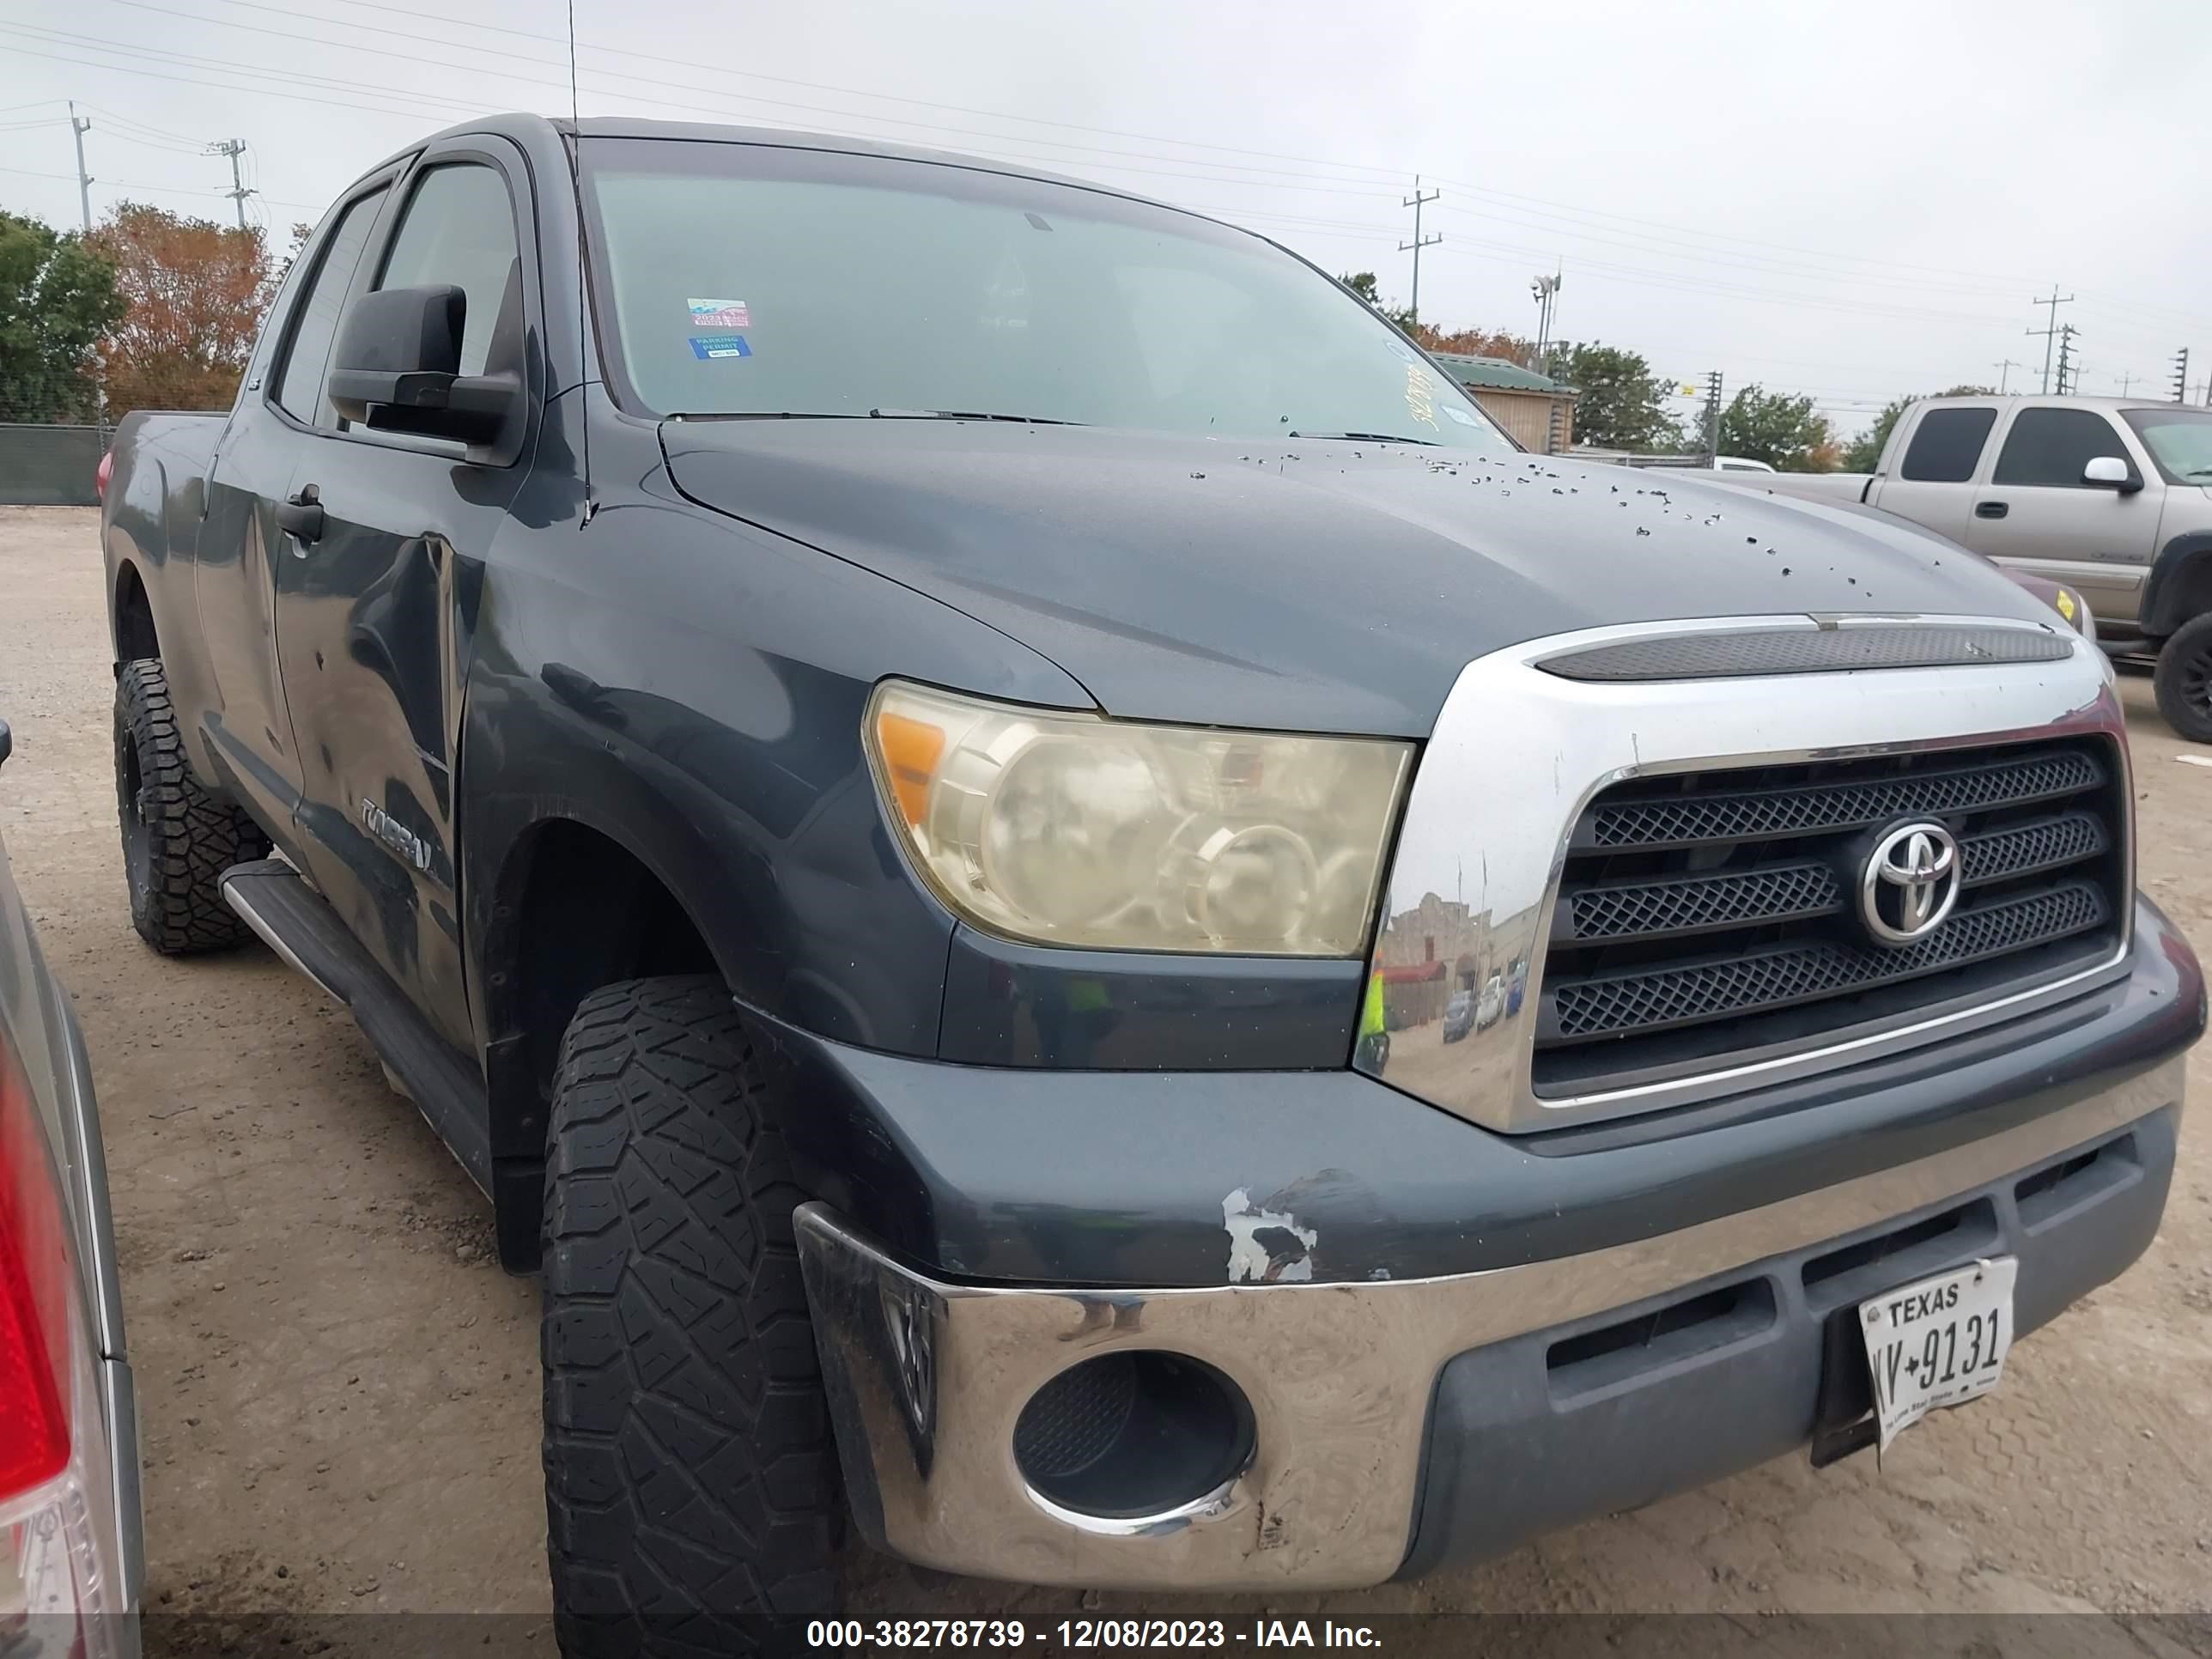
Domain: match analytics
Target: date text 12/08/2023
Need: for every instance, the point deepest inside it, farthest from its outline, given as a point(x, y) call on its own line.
point(1076, 1635)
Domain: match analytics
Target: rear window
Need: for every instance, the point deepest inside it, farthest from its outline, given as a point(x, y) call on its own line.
point(1948, 444)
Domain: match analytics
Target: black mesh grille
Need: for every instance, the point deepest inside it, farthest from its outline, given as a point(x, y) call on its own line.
point(2033, 847)
point(1702, 901)
point(1709, 990)
point(1702, 916)
point(1679, 820)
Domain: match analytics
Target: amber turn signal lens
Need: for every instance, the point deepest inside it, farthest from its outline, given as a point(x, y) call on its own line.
point(911, 750)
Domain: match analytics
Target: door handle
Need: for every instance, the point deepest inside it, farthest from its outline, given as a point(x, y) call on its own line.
point(1990, 509)
point(301, 517)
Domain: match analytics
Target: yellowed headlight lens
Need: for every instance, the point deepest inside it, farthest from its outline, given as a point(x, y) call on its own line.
point(1071, 829)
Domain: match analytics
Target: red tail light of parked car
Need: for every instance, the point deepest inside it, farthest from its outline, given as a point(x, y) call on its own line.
point(56, 1579)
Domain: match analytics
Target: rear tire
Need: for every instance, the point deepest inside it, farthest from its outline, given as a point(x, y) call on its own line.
point(691, 1488)
point(177, 839)
point(2183, 680)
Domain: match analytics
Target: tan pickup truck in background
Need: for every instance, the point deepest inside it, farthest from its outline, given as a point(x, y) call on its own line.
point(2108, 496)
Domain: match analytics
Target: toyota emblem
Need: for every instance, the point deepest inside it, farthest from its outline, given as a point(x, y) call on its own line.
point(1910, 884)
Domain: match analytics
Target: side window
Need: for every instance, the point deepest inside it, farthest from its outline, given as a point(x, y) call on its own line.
point(2050, 447)
point(315, 319)
point(459, 231)
point(1948, 444)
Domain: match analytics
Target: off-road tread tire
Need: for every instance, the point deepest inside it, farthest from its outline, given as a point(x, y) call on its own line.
point(691, 1489)
point(193, 835)
point(2192, 639)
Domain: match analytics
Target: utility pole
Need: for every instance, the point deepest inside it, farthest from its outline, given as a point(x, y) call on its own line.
point(1545, 289)
point(2126, 380)
point(2054, 301)
point(233, 148)
point(1420, 241)
point(2004, 375)
point(2070, 368)
point(2180, 376)
point(1712, 417)
point(79, 125)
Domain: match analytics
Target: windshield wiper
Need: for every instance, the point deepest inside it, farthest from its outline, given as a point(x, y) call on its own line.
point(965, 415)
point(1372, 438)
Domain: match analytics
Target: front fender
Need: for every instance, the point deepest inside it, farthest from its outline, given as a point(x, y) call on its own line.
point(694, 691)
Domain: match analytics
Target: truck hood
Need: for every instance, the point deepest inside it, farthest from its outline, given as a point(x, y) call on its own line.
point(1297, 585)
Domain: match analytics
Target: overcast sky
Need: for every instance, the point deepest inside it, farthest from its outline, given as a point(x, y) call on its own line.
point(1853, 201)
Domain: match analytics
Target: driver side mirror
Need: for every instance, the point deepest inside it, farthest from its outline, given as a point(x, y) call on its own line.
point(2110, 472)
point(398, 369)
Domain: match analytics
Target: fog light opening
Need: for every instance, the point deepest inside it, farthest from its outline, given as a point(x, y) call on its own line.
point(1134, 1434)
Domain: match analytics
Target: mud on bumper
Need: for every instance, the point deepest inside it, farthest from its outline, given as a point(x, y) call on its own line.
point(1381, 1428)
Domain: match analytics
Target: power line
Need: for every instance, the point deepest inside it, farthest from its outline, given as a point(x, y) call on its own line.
point(2004, 375)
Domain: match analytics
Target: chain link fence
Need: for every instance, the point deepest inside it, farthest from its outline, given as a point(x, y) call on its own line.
point(51, 441)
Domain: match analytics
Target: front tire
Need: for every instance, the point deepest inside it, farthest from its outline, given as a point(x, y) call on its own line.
point(177, 839)
point(2183, 680)
point(691, 1489)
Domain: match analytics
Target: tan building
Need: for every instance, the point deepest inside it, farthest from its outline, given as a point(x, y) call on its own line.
point(1537, 411)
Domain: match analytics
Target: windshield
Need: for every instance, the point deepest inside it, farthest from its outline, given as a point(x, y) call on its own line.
point(2180, 439)
point(756, 280)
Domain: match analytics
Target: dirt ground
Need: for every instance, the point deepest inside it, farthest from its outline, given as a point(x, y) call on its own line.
point(339, 1387)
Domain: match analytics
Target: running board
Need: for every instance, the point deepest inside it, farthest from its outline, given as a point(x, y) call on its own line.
point(299, 925)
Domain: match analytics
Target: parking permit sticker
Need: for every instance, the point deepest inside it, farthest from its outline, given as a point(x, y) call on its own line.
point(719, 345)
point(1459, 414)
point(719, 313)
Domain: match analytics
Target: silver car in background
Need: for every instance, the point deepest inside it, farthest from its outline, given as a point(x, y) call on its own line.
point(71, 1554)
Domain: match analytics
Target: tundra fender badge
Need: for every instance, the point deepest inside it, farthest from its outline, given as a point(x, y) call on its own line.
point(395, 835)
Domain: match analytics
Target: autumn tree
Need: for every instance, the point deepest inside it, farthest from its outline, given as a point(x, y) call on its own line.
point(195, 293)
point(1779, 429)
point(56, 298)
point(1479, 343)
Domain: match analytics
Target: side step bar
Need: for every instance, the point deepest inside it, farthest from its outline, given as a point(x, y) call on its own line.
point(298, 924)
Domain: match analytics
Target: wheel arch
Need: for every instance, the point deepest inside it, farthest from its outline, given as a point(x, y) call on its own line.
point(573, 906)
point(2180, 585)
point(136, 634)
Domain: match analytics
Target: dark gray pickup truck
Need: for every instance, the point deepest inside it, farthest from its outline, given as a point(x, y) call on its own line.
point(904, 759)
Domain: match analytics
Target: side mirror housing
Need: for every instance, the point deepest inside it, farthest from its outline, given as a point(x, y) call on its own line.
point(2111, 472)
point(7, 742)
point(397, 369)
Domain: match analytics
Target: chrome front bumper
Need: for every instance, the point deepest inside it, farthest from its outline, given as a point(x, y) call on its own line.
point(925, 1379)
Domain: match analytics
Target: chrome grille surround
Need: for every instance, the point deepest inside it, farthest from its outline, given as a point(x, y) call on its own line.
point(1518, 755)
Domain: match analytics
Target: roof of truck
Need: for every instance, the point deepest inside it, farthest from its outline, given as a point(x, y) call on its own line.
point(518, 124)
point(1985, 400)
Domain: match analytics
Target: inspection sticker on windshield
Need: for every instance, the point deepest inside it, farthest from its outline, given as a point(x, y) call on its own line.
point(704, 346)
point(719, 313)
point(1939, 1342)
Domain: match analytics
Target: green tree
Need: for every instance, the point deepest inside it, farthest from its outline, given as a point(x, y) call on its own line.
point(1363, 284)
point(1779, 429)
point(1621, 404)
point(1865, 450)
point(58, 297)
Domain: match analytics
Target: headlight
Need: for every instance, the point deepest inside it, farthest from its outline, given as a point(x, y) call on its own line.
point(1076, 829)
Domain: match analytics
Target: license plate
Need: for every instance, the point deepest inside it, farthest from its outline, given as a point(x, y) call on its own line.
point(1937, 1342)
